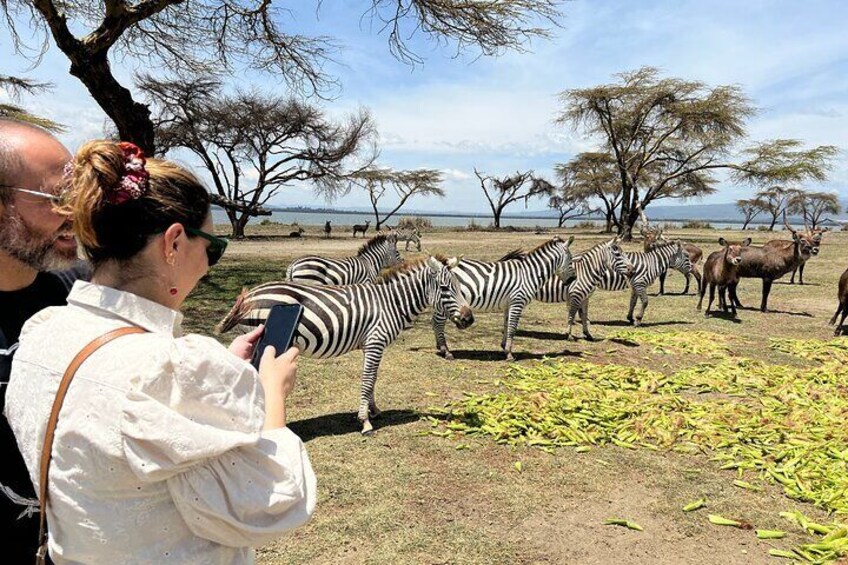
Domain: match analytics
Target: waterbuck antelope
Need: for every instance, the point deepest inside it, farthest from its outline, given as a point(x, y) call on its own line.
point(814, 235)
point(771, 263)
point(842, 307)
point(721, 270)
point(361, 228)
point(653, 235)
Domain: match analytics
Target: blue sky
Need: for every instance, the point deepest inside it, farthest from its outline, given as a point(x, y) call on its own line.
point(455, 113)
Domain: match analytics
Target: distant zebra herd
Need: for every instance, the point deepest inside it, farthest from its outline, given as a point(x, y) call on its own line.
point(365, 301)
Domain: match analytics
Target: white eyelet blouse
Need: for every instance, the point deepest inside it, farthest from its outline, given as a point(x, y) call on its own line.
point(159, 455)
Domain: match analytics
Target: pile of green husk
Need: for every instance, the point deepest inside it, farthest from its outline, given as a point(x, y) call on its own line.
point(698, 343)
point(771, 423)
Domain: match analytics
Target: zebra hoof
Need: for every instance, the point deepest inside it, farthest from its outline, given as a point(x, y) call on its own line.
point(367, 429)
point(448, 355)
point(509, 357)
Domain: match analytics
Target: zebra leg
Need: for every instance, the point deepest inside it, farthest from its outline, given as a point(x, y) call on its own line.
point(643, 296)
point(572, 311)
point(512, 317)
point(367, 406)
point(633, 297)
point(662, 282)
point(441, 341)
point(686, 288)
point(584, 319)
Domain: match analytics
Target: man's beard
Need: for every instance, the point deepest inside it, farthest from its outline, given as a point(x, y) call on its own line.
point(26, 245)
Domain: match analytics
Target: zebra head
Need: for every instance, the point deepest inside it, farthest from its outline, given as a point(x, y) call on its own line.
point(680, 260)
point(618, 262)
point(565, 266)
point(446, 295)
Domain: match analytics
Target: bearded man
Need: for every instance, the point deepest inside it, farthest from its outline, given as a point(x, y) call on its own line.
point(36, 245)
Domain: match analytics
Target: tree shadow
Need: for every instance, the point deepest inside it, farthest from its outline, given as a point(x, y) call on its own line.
point(344, 423)
point(625, 323)
point(787, 283)
point(498, 355)
point(554, 336)
point(624, 342)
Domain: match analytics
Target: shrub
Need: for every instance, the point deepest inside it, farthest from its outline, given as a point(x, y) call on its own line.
point(696, 225)
point(586, 225)
point(763, 228)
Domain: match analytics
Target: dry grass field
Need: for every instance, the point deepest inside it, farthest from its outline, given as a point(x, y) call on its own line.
point(405, 495)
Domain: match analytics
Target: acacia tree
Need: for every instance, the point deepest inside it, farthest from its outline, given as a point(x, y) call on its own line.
point(503, 191)
point(204, 36)
point(750, 208)
point(377, 181)
point(277, 141)
point(570, 200)
point(668, 136)
point(813, 205)
point(774, 201)
point(15, 87)
point(594, 176)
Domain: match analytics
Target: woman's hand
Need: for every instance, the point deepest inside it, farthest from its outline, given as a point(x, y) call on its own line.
point(277, 375)
point(243, 346)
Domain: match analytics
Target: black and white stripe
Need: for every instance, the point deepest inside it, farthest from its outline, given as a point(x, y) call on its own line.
point(339, 319)
point(410, 234)
point(376, 254)
point(508, 286)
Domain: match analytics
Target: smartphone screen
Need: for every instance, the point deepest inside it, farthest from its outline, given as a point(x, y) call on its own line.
point(279, 330)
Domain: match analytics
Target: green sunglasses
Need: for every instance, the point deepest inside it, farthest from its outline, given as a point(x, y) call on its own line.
point(216, 247)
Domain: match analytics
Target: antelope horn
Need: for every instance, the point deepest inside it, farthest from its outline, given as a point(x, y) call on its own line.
point(786, 223)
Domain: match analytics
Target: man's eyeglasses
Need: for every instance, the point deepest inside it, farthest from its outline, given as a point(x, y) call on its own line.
point(216, 247)
point(54, 199)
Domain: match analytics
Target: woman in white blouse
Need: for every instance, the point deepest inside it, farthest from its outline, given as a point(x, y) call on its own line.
point(169, 448)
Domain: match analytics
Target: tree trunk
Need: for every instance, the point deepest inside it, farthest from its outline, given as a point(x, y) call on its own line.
point(497, 219)
point(131, 118)
point(745, 225)
point(773, 221)
point(626, 227)
point(239, 225)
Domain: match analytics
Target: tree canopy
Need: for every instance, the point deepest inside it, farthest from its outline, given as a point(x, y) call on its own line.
point(221, 36)
point(376, 181)
point(253, 145)
point(668, 136)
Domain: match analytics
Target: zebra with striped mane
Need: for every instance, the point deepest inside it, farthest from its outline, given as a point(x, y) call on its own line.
point(338, 319)
point(591, 268)
point(409, 234)
point(376, 254)
point(508, 286)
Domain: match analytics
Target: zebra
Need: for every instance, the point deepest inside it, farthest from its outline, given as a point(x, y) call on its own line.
point(590, 267)
point(510, 285)
point(612, 269)
point(368, 316)
point(377, 253)
point(409, 234)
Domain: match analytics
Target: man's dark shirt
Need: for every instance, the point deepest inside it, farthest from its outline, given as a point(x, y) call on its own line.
point(16, 307)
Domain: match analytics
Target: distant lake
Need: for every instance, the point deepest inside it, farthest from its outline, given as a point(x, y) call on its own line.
point(318, 219)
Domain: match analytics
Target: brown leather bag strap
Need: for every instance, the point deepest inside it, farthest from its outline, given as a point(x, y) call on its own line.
point(54, 418)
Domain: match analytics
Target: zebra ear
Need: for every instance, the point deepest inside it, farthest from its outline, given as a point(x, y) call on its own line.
point(453, 262)
point(434, 264)
point(570, 241)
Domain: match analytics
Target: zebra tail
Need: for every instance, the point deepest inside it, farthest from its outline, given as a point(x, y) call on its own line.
point(235, 315)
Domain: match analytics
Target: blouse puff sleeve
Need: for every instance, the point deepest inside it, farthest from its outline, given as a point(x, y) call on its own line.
point(197, 425)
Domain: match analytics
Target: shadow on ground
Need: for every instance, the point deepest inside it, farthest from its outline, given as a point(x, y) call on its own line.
point(343, 423)
point(498, 355)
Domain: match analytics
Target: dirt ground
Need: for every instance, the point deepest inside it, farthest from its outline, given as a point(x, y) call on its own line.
point(404, 496)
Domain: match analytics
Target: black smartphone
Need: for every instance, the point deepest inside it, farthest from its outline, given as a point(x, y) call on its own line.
point(279, 330)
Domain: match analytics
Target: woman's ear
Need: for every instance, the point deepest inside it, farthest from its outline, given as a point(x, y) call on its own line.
point(174, 239)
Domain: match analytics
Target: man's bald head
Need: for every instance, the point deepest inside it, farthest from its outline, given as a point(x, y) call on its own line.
point(27, 153)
